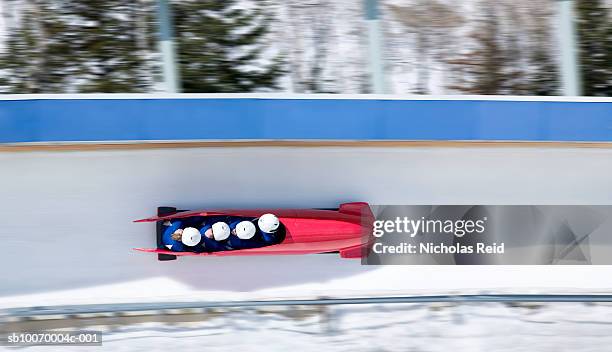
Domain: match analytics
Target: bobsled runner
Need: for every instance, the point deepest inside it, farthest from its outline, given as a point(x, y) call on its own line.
point(340, 230)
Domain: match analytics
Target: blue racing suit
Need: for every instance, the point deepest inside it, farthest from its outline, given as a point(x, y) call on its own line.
point(210, 244)
point(176, 246)
point(237, 243)
point(267, 238)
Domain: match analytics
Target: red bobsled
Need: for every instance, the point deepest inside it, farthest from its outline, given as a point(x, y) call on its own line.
point(304, 231)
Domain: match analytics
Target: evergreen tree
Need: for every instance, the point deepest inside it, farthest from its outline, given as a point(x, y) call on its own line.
point(110, 46)
point(74, 45)
point(30, 62)
point(594, 28)
point(221, 48)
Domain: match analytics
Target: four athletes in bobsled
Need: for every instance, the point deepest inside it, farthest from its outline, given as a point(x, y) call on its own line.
point(219, 233)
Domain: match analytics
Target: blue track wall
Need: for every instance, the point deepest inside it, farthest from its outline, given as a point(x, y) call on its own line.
point(328, 119)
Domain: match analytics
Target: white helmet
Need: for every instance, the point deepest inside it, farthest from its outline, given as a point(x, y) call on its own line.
point(245, 230)
point(220, 230)
point(268, 223)
point(191, 236)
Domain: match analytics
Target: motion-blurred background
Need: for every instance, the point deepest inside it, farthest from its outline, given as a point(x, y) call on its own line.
point(503, 47)
point(312, 46)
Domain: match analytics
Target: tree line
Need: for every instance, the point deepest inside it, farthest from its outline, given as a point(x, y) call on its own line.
point(314, 46)
point(110, 46)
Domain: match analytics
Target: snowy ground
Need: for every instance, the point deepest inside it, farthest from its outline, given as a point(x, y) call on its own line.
point(67, 232)
point(391, 327)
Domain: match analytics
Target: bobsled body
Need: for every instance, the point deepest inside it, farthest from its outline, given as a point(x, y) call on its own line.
point(304, 231)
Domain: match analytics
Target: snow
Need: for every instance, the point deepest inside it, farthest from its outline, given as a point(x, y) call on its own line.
point(391, 327)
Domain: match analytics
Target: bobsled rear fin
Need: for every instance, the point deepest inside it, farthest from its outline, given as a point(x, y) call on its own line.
point(177, 215)
point(147, 219)
point(148, 250)
point(163, 251)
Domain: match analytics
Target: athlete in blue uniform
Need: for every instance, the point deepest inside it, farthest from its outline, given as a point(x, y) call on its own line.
point(268, 224)
point(214, 235)
point(178, 239)
point(171, 238)
point(243, 234)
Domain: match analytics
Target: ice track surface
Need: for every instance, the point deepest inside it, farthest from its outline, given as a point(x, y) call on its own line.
point(67, 232)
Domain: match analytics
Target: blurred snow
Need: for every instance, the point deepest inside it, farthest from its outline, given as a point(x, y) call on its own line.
point(391, 327)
